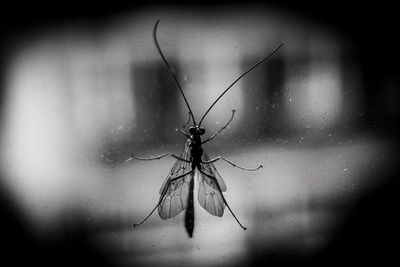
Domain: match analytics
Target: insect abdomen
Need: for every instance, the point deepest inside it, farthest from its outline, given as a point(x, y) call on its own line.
point(189, 215)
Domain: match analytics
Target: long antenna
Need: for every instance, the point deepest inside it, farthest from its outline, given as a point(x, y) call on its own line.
point(170, 69)
point(247, 71)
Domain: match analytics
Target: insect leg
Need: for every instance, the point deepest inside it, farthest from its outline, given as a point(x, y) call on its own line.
point(223, 128)
point(157, 157)
point(184, 126)
point(223, 198)
point(211, 160)
point(161, 198)
point(240, 167)
point(137, 224)
point(185, 134)
point(230, 162)
point(188, 121)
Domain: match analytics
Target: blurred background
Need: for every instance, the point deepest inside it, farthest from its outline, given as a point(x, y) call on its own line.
point(83, 87)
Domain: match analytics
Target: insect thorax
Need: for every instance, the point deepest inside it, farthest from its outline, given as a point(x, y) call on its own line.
point(196, 150)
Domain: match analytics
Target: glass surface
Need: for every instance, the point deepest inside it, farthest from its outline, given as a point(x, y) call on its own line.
point(81, 99)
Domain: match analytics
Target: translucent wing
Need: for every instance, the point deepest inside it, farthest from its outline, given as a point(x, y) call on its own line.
point(174, 194)
point(210, 169)
point(210, 196)
point(211, 186)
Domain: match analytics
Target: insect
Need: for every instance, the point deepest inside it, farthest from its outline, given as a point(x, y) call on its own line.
point(176, 193)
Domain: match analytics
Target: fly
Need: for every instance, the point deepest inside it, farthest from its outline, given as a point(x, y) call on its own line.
point(176, 193)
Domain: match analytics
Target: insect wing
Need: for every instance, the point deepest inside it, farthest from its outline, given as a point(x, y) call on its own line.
point(174, 194)
point(210, 169)
point(210, 195)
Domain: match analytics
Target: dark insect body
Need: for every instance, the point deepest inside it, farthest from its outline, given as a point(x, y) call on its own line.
point(176, 193)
